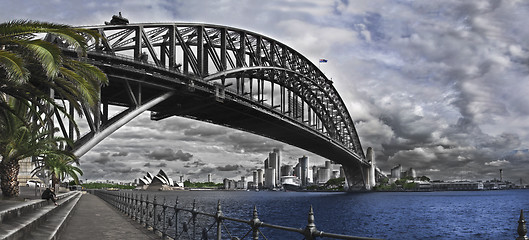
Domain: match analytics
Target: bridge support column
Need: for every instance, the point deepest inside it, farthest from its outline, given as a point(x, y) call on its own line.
point(356, 177)
point(371, 179)
point(360, 177)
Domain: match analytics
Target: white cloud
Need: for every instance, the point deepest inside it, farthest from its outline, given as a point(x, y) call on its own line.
point(497, 163)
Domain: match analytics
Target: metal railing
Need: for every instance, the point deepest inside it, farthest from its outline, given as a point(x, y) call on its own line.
point(173, 221)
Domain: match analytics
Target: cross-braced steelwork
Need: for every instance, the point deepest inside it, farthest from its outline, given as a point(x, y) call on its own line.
point(177, 222)
point(223, 75)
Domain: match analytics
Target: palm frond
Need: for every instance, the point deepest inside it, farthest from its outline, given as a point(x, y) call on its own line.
point(47, 54)
point(22, 27)
point(87, 91)
point(89, 71)
point(14, 67)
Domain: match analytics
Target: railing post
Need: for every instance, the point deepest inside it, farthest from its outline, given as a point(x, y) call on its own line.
point(147, 210)
point(120, 205)
point(142, 210)
point(135, 204)
point(153, 216)
point(256, 223)
point(126, 203)
point(164, 227)
point(522, 228)
point(194, 212)
point(129, 204)
point(218, 217)
point(310, 229)
point(176, 218)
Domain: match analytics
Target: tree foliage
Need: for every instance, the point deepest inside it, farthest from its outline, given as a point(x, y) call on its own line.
point(34, 72)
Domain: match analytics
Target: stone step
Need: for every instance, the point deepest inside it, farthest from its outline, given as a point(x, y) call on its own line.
point(15, 209)
point(19, 221)
point(54, 223)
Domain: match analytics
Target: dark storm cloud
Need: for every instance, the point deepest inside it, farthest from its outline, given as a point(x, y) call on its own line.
point(102, 159)
point(195, 164)
point(169, 155)
point(159, 165)
point(120, 154)
point(126, 170)
point(205, 131)
point(229, 167)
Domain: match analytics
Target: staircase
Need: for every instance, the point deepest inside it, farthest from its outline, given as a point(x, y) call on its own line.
point(36, 219)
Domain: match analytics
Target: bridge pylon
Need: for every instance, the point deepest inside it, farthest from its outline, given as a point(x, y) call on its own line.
point(361, 177)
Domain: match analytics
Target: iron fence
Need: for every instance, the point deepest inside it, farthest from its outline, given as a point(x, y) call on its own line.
point(173, 221)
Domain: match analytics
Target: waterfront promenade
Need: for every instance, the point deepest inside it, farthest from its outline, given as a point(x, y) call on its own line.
point(91, 218)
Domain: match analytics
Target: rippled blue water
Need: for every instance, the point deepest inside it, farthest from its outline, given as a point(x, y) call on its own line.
point(388, 215)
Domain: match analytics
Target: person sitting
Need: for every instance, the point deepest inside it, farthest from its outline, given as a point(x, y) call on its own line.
point(49, 194)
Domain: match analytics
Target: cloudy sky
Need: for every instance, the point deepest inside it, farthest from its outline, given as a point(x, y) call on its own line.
point(440, 86)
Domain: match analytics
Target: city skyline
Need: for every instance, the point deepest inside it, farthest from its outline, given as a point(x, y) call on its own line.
point(441, 86)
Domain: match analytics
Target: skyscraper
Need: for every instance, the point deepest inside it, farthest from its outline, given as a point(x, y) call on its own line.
point(270, 178)
point(395, 172)
point(274, 162)
point(314, 174)
point(286, 170)
point(259, 178)
point(304, 170)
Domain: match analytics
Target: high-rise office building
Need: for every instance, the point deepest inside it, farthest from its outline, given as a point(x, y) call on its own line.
point(324, 174)
point(274, 162)
point(314, 174)
point(395, 172)
point(270, 178)
point(286, 170)
point(242, 183)
point(328, 164)
point(411, 173)
point(304, 170)
point(259, 183)
point(297, 170)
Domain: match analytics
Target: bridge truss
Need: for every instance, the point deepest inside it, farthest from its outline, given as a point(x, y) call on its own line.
point(175, 69)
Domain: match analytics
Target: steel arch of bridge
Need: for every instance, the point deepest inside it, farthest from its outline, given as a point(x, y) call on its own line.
point(232, 63)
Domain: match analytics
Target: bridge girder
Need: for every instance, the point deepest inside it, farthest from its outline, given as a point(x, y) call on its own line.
point(208, 50)
point(230, 62)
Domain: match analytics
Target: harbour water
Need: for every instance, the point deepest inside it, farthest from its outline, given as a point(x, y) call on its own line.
point(387, 215)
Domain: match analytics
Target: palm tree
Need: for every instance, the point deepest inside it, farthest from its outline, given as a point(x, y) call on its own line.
point(34, 72)
point(21, 137)
point(59, 165)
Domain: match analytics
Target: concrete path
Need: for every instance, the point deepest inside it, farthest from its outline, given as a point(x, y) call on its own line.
point(93, 218)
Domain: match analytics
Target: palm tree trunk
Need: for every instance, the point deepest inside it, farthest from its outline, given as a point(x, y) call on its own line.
point(54, 180)
point(8, 178)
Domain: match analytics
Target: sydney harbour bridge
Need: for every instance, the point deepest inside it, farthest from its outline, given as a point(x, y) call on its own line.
point(226, 76)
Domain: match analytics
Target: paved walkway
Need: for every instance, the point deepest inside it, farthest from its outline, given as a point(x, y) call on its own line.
point(93, 218)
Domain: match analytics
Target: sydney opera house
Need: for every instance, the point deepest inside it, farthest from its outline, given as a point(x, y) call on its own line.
point(159, 182)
